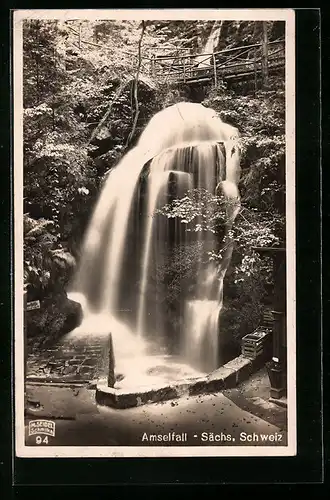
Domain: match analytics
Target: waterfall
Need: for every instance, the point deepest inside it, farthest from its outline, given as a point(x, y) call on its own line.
point(157, 198)
point(129, 244)
point(210, 46)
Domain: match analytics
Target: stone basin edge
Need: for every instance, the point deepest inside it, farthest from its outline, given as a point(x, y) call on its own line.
point(226, 377)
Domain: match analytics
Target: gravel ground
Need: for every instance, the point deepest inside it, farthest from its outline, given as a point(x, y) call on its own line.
point(225, 418)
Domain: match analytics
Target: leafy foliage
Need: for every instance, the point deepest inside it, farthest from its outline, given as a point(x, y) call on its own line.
point(176, 269)
point(200, 210)
point(261, 122)
point(45, 259)
point(72, 71)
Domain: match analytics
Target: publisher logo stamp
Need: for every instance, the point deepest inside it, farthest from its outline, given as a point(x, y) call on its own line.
point(41, 428)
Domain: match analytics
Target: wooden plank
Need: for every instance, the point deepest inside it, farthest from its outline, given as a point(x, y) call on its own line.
point(233, 58)
point(225, 67)
point(215, 72)
point(265, 53)
point(249, 73)
point(198, 80)
point(182, 70)
point(255, 71)
point(231, 76)
point(251, 64)
point(225, 51)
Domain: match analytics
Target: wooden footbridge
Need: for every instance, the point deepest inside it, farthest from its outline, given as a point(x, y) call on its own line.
point(244, 62)
point(182, 66)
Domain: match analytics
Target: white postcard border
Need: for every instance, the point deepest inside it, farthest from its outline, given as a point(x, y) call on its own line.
point(287, 15)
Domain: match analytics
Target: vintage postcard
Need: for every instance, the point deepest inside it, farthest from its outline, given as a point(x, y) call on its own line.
point(154, 202)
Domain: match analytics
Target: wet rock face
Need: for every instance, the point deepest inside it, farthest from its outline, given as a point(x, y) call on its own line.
point(57, 315)
point(74, 315)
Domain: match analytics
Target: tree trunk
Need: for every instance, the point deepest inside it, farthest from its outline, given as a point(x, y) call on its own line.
point(136, 82)
point(53, 107)
point(255, 71)
point(107, 113)
point(265, 53)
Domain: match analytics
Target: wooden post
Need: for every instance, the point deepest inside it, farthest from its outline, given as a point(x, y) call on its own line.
point(79, 40)
point(215, 72)
point(153, 64)
point(184, 68)
point(189, 62)
point(255, 71)
point(111, 363)
point(277, 367)
point(265, 53)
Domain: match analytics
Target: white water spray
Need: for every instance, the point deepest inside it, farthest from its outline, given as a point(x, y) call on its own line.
point(184, 146)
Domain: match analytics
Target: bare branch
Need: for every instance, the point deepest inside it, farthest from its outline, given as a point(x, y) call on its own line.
point(107, 113)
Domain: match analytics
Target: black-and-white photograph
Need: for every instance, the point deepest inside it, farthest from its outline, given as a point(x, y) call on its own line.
point(154, 233)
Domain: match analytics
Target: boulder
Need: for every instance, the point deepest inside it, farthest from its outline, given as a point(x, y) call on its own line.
point(73, 315)
point(57, 316)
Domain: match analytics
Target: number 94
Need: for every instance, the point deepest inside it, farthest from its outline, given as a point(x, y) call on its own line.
point(41, 440)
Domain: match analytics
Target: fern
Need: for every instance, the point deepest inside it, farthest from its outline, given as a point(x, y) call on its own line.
point(45, 261)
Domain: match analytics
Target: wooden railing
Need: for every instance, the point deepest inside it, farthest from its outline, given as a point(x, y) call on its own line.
point(186, 67)
point(182, 65)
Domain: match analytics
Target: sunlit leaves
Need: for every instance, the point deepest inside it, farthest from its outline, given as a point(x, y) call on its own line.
point(200, 210)
point(199, 206)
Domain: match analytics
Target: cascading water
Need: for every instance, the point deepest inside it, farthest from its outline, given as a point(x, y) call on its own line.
point(157, 198)
point(211, 44)
point(128, 244)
